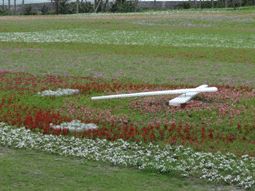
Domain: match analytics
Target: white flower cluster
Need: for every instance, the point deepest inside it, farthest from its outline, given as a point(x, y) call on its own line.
point(213, 167)
point(75, 126)
point(59, 92)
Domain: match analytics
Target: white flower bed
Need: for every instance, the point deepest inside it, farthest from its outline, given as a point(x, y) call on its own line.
point(128, 37)
point(212, 167)
point(59, 92)
point(75, 126)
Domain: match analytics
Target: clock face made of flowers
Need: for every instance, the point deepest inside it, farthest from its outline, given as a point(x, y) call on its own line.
point(77, 126)
point(186, 94)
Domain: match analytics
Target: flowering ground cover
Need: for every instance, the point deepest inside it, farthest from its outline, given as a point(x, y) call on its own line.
point(213, 167)
point(51, 66)
point(124, 37)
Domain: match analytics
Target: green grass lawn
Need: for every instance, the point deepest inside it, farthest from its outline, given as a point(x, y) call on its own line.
point(30, 170)
point(167, 49)
point(193, 47)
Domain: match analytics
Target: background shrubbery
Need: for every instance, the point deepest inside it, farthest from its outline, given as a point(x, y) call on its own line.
point(124, 6)
point(3, 11)
point(70, 7)
point(215, 4)
point(66, 7)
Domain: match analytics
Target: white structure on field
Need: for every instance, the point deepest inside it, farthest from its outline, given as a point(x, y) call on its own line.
point(186, 94)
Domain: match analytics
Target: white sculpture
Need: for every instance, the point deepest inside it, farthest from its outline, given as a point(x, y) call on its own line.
point(186, 94)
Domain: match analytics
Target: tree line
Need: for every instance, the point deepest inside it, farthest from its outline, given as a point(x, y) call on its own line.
point(83, 6)
point(68, 7)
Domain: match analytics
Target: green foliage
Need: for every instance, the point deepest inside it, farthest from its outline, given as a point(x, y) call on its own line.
point(215, 4)
point(248, 2)
point(124, 6)
point(68, 7)
point(185, 5)
point(3, 11)
point(28, 10)
point(45, 10)
point(86, 7)
point(64, 7)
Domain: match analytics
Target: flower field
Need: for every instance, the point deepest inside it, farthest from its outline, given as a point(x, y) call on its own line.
point(49, 70)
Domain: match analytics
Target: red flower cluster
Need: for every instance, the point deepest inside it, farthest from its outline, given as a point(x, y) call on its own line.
point(42, 120)
point(31, 118)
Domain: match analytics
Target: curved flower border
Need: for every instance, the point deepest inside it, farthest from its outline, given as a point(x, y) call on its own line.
point(212, 167)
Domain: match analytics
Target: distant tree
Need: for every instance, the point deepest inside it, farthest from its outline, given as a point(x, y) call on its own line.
point(45, 10)
point(226, 3)
point(56, 4)
point(28, 10)
point(23, 4)
point(97, 5)
point(63, 7)
point(77, 6)
point(124, 6)
point(86, 7)
point(15, 7)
